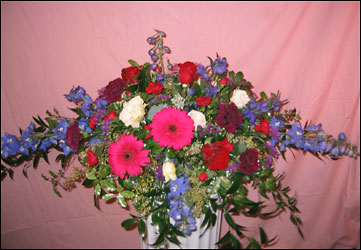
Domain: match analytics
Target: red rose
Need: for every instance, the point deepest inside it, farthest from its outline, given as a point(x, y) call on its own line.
point(129, 74)
point(154, 88)
point(203, 176)
point(92, 158)
point(112, 115)
point(73, 135)
point(113, 91)
point(204, 100)
point(263, 127)
point(216, 155)
point(187, 73)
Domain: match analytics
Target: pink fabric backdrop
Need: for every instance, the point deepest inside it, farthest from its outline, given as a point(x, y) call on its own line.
point(310, 51)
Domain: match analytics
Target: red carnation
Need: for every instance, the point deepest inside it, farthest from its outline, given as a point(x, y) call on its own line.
point(154, 88)
point(263, 127)
point(204, 100)
point(216, 155)
point(203, 176)
point(73, 136)
point(113, 91)
point(130, 74)
point(249, 161)
point(112, 115)
point(187, 73)
point(92, 158)
point(92, 122)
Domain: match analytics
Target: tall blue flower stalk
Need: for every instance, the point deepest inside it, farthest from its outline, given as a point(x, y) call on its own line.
point(180, 211)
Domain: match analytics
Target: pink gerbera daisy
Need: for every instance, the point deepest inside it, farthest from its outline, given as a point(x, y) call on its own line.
point(127, 155)
point(173, 128)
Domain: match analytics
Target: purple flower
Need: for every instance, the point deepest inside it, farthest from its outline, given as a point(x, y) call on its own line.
point(341, 136)
point(219, 66)
point(296, 133)
point(275, 123)
point(203, 72)
point(9, 145)
point(179, 185)
point(76, 95)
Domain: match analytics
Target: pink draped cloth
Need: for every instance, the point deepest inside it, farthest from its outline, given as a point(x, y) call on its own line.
point(309, 51)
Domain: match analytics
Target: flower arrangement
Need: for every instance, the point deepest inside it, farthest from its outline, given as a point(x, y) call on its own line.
point(177, 142)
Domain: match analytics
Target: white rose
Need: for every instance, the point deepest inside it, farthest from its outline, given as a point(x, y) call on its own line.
point(240, 98)
point(133, 112)
point(198, 118)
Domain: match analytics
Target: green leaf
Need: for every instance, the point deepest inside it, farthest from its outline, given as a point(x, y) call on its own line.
point(87, 182)
point(127, 194)
point(262, 235)
point(36, 161)
point(97, 190)
point(233, 188)
point(229, 220)
point(206, 218)
point(263, 96)
point(108, 184)
point(133, 63)
point(197, 89)
point(224, 239)
point(107, 197)
point(128, 223)
point(253, 243)
point(52, 173)
point(159, 240)
point(91, 176)
point(121, 201)
point(142, 229)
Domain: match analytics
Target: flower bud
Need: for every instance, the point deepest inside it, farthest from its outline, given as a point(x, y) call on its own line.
point(166, 49)
point(169, 171)
point(151, 52)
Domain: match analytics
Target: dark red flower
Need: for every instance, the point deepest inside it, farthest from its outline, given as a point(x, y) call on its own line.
point(263, 127)
point(154, 88)
point(73, 136)
point(216, 155)
point(249, 161)
point(129, 74)
point(228, 117)
point(92, 158)
point(113, 91)
point(204, 100)
point(187, 73)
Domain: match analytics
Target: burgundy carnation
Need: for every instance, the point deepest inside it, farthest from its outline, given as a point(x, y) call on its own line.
point(228, 117)
point(73, 136)
point(249, 161)
point(113, 91)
